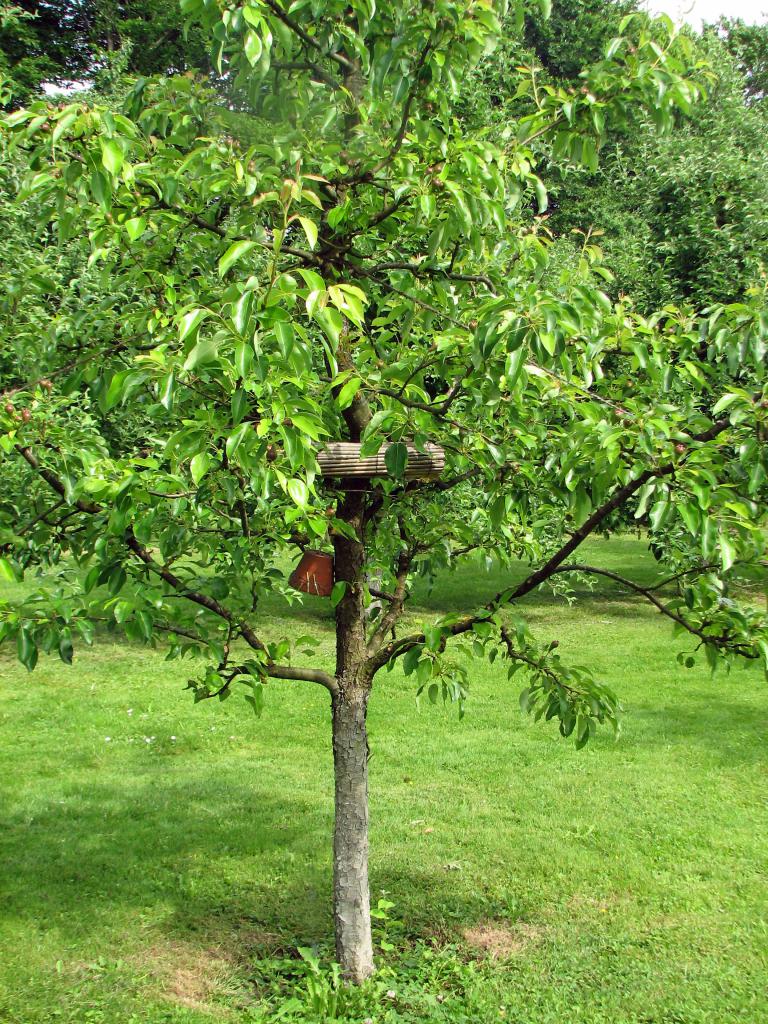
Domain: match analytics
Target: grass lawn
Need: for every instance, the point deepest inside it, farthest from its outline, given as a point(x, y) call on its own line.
point(162, 862)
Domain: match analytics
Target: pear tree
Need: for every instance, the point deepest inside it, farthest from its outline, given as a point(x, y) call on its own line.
point(214, 291)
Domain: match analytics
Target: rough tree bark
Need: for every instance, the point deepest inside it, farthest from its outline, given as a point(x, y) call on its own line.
point(351, 899)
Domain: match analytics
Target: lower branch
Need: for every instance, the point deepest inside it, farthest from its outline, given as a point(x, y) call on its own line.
point(647, 593)
point(541, 575)
point(173, 581)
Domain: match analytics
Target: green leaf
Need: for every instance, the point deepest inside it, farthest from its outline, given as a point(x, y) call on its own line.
point(339, 590)
point(236, 438)
point(725, 402)
point(116, 390)
point(117, 580)
point(243, 359)
point(689, 512)
point(312, 280)
point(286, 337)
point(331, 322)
point(348, 392)
point(61, 126)
point(135, 227)
point(85, 629)
point(235, 252)
point(310, 230)
point(241, 311)
point(205, 351)
point(311, 427)
point(101, 189)
point(396, 459)
point(167, 391)
point(256, 698)
point(26, 649)
point(253, 47)
point(251, 14)
point(315, 300)
point(65, 647)
point(728, 553)
point(541, 195)
point(239, 405)
point(660, 514)
point(112, 156)
point(8, 571)
point(199, 466)
point(411, 659)
point(190, 321)
point(145, 623)
point(122, 610)
point(298, 491)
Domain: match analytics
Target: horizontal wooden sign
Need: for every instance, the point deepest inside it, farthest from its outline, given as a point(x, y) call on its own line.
point(343, 459)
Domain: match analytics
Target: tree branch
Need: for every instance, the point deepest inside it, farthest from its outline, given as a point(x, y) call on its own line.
point(384, 213)
point(602, 513)
point(173, 581)
point(201, 222)
point(400, 136)
point(538, 666)
point(310, 41)
point(535, 579)
point(389, 619)
point(648, 594)
point(317, 71)
point(418, 270)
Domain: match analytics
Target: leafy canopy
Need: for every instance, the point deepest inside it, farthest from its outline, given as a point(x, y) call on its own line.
point(218, 293)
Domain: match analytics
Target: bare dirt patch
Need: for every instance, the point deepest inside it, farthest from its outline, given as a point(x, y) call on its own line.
point(186, 974)
point(200, 976)
point(496, 940)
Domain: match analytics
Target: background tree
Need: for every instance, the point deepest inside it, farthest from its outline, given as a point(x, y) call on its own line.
point(352, 264)
point(748, 44)
point(570, 35)
point(681, 215)
point(59, 42)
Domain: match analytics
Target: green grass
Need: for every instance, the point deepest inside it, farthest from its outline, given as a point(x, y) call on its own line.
point(172, 880)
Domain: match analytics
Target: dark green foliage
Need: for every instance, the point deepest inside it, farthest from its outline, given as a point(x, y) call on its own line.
point(748, 45)
point(575, 35)
point(58, 42)
point(682, 216)
point(41, 43)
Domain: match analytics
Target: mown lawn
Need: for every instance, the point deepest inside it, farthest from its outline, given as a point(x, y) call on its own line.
point(162, 862)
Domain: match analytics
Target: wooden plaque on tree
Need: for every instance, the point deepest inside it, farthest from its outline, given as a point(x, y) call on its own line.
point(343, 459)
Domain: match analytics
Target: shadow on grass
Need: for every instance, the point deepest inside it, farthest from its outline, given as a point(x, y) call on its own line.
point(254, 879)
point(736, 732)
point(111, 849)
point(466, 588)
point(223, 862)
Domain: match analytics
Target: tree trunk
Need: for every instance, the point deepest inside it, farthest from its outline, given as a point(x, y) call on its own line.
point(351, 899)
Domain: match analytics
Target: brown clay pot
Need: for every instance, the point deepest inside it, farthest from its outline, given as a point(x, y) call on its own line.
point(313, 574)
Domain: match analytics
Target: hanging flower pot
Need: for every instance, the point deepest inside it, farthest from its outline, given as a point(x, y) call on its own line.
point(313, 574)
